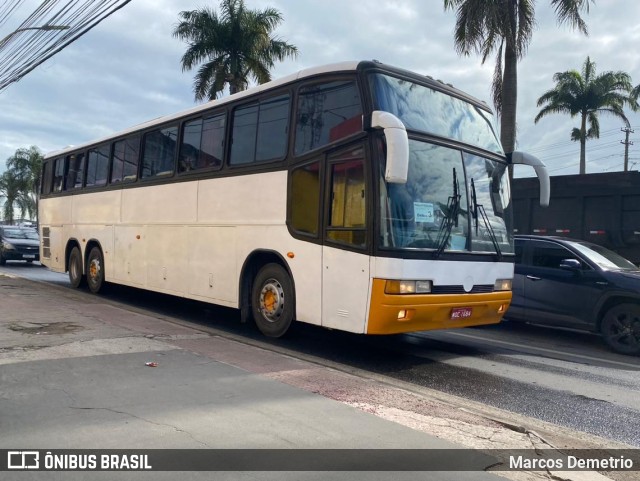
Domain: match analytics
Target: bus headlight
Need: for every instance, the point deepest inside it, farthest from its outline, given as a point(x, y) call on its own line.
point(502, 285)
point(407, 287)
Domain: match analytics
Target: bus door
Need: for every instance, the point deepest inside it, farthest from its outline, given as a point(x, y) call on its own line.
point(345, 263)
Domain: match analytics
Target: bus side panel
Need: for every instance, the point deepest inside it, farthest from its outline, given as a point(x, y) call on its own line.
point(54, 214)
point(160, 204)
point(212, 263)
point(304, 260)
point(130, 255)
point(57, 243)
point(345, 289)
point(99, 211)
point(167, 257)
point(98, 208)
point(259, 199)
point(306, 268)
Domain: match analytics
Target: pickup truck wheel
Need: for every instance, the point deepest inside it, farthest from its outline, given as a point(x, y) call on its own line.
point(620, 328)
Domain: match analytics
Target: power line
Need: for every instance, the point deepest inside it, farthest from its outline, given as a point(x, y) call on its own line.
point(32, 43)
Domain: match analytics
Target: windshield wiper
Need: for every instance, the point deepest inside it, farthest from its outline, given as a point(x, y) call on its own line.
point(450, 219)
point(479, 209)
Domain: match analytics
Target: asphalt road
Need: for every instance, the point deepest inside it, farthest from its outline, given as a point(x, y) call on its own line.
point(565, 377)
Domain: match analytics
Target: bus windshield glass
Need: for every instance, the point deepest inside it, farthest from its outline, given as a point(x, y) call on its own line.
point(453, 200)
point(446, 187)
point(427, 110)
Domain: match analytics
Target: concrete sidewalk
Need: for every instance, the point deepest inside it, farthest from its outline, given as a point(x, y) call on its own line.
point(74, 375)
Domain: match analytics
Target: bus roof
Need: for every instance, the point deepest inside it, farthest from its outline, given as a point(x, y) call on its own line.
point(349, 66)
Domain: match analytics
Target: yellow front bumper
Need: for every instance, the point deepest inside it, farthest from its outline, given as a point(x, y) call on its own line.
point(423, 312)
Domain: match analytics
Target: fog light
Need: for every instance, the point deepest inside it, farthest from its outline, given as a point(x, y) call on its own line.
point(502, 308)
point(402, 314)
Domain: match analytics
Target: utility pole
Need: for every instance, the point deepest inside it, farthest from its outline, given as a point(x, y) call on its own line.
point(626, 143)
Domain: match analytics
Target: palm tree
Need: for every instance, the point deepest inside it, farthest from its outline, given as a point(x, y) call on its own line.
point(635, 93)
point(26, 167)
point(10, 192)
point(505, 27)
point(587, 95)
point(235, 45)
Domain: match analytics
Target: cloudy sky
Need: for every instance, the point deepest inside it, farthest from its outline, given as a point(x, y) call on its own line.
point(127, 69)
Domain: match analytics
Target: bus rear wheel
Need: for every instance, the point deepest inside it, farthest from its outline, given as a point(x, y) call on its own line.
point(272, 300)
point(95, 270)
point(76, 277)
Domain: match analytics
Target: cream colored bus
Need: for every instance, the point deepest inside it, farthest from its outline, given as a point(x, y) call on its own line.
point(354, 196)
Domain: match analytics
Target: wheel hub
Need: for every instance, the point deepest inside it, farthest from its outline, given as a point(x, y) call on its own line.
point(94, 269)
point(272, 300)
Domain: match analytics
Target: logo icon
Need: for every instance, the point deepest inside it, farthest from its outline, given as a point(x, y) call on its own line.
point(23, 459)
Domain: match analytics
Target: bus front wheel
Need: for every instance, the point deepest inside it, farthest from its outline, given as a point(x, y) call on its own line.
point(95, 270)
point(272, 300)
point(76, 278)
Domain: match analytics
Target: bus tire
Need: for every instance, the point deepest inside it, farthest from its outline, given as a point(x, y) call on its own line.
point(95, 270)
point(76, 277)
point(620, 328)
point(272, 300)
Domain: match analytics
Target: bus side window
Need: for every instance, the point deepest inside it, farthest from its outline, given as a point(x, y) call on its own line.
point(260, 131)
point(58, 175)
point(98, 166)
point(347, 213)
point(202, 144)
point(212, 147)
point(305, 198)
point(190, 147)
point(47, 177)
point(273, 132)
point(126, 154)
point(75, 172)
point(326, 113)
point(159, 152)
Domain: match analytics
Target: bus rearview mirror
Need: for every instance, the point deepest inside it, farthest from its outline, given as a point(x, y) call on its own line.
point(541, 171)
point(397, 146)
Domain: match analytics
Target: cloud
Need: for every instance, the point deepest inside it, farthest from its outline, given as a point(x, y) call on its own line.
point(127, 70)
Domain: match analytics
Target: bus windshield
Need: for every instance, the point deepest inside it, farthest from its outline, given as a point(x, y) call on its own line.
point(453, 200)
point(433, 112)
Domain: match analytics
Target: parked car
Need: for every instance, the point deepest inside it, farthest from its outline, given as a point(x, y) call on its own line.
point(19, 244)
point(577, 284)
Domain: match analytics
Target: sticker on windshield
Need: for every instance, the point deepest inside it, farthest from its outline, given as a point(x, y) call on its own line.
point(423, 212)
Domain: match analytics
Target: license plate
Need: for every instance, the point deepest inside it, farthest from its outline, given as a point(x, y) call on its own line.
point(29, 256)
point(460, 312)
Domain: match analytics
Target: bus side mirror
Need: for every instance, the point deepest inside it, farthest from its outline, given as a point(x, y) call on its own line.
point(541, 171)
point(397, 146)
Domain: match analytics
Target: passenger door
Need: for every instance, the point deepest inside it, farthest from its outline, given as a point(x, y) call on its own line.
point(345, 262)
point(555, 295)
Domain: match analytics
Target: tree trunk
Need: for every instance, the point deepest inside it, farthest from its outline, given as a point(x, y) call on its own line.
point(583, 144)
point(509, 99)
